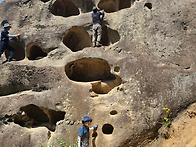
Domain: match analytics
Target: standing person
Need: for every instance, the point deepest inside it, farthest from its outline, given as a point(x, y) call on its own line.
point(97, 17)
point(4, 44)
point(83, 133)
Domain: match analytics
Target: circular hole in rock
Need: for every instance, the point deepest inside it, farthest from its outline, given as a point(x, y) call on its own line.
point(88, 69)
point(84, 5)
point(109, 36)
point(113, 112)
point(76, 39)
point(110, 6)
point(107, 129)
point(64, 8)
point(116, 68)
point(34, 52)
point(35, 116)
point(19, 53)
point(103, 87)
point(45, 1)
point(148, 5)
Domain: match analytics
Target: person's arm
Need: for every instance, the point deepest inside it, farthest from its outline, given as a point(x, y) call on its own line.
point(11, 36)
point(80, 134)
point(8, 35)
point(94, 127)
point(79, 141)
point(102, 14)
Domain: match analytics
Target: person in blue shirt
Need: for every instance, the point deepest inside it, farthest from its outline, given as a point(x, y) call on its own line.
point(83, 133)
point(97, 18)
point(4, 43)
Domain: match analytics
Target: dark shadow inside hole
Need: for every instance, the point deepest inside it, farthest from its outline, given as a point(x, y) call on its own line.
point(113, 112)
point(104, 36)
point(103, 87)
point(88, 69)
point(124, 4)
point(32, 116)
point(64, 8)
point(76, 39)
point(84, 5)
point(116, 68)
point(148, 5)
point(107, 129)
point(45, 1)
point(109, 36)
point(34, 52)
point(110, 6)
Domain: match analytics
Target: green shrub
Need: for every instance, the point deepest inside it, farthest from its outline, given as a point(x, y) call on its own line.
point(62, 144)
point(167, 120)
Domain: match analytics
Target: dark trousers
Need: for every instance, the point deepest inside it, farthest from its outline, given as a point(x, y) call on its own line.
point(5, 46)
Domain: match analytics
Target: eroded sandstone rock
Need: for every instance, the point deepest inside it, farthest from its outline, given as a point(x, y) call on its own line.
point(150, 45)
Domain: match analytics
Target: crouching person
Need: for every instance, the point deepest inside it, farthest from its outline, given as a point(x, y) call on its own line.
point(83, 133)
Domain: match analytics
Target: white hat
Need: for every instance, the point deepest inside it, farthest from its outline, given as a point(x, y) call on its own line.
point(6, 25)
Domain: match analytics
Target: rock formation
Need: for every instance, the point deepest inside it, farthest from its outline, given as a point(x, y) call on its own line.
point(147, 63)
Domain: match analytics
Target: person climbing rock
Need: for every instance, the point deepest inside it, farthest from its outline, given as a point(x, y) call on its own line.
point(83, 133)
point(4, 43)
point(97, 18)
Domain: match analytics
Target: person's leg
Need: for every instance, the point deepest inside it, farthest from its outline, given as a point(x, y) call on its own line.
point(94, 38)
point(2, 48)
point(99, 31)
point(12, 50)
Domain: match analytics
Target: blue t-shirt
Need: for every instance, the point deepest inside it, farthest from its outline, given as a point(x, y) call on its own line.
point(96, 17)
point(5, 35)
point(83, 130)
point(84, 133)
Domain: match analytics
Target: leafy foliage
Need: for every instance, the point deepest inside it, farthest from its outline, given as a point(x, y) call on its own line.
point(167, 120)
point(62, 144)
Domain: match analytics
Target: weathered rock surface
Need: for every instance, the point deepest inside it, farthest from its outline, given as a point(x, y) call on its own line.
point(182, 131)
point(147, 63)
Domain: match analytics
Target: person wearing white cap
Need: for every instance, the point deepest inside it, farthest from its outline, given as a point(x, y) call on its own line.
point(4, 43)
point(83, 133)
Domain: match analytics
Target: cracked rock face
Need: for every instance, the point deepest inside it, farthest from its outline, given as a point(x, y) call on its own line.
point(147, 63)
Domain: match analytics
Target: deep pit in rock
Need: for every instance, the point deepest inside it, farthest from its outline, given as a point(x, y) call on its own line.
point(76, 39)
point(110, 6)
point(109, 36)
point(64, 8)
point(84, 5)
point(113, 112)
point(107, 129)
point(19, 53)
point(116, 68)
point(32, 116)
point(34, 52)
point(88, 69)
point(103, 87)
point(148, 5)
point(45, 1)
